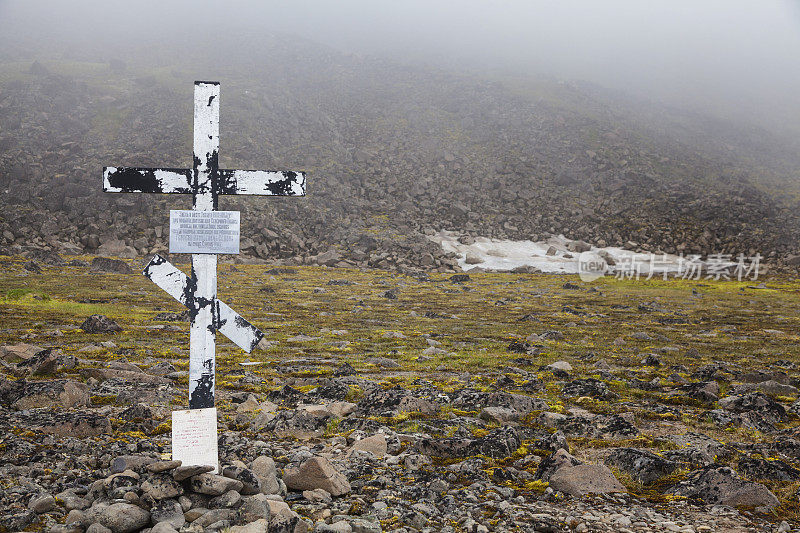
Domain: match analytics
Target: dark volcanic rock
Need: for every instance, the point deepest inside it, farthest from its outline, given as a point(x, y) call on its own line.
point(755, 403)
point(67, 424)
point(499, 443)
point(591, 387)
point(717, 484)
point(757, 469)
point(109, 265)
point(642, 465)
point(100, 324)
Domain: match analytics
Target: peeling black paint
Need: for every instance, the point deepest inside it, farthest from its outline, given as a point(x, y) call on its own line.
point(284, 187)
point(135, 179)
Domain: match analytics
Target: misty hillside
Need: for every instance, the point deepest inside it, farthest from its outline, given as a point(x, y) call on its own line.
point(393, 153)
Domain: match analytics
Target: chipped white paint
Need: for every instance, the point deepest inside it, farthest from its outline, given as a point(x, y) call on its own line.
point(202, 336)
point(206, 182)
point(177, 284)
point(259, 181)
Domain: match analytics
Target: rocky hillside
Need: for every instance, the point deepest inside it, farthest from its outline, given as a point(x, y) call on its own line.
point(467, 403)
point(392, 153)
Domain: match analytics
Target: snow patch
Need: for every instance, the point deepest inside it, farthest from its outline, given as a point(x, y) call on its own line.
point(506, 255)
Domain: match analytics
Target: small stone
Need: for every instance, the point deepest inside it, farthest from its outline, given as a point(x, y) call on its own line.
point(213, 484)
point(163, 466)
point(167, 511)
point(98, 528)
point(264, 468)
point(185, 472)
point(42, 504)
point(100, 324)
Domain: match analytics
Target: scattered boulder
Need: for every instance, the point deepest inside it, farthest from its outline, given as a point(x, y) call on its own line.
point(56, 393)
point(716, 484)
point(109, 265)
point(120, 517)
point(316, 473)
point(584, 479)
point(100, 324)
point(642, 465)
point(756, 403)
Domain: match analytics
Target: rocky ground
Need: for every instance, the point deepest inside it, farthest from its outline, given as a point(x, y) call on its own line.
point(384, 402)
point(393, 154)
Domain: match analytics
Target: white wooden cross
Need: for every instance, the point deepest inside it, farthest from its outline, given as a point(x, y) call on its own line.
point(205, 181)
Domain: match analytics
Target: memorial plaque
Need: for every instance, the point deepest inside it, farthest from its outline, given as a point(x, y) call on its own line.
point(194, 437)
point(203, 232)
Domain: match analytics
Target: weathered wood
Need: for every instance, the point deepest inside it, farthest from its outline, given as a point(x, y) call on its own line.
point(205, 182)
point(202, 335)
point(227, 321)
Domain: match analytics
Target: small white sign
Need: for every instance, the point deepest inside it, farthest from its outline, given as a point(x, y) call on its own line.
point(203, 232)
point(194, 437)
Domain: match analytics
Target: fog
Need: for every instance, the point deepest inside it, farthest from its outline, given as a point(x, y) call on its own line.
point(732, 58)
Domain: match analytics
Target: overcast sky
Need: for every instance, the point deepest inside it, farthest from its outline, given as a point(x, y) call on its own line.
point(736, 57)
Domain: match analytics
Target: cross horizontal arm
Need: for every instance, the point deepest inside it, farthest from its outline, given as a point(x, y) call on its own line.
point(179, 181)
point(262, 182)
point(227, 321)
point(157, 180)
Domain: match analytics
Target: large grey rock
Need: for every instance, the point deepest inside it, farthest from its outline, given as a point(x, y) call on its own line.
point(316, 473)
point(264, 468)
point(100, 324)
point(251, 484)
point(375, 444)
point(123, 518)
point(55, 393)
point(113, 266)
point(642, 465)
point(756, 403)
point(162, 486)
point(167, 511)
point(15, 353)
point(254, 508)
point(584, 479)
point(42, 504)
point(717, 484)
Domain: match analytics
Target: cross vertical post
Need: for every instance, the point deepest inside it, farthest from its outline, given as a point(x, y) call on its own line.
point(205, 184)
